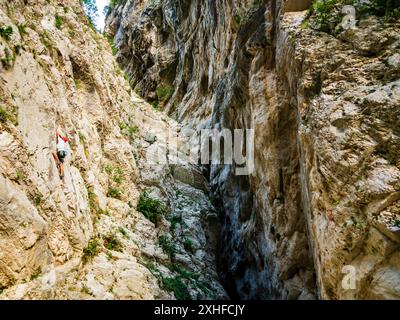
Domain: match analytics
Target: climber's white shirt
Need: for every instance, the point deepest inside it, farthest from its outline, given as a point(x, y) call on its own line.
point(61, 145)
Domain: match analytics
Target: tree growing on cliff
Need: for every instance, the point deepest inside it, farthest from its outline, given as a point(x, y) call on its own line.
point(91, 11)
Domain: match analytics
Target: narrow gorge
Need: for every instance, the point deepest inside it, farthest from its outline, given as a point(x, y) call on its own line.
point(134, 217)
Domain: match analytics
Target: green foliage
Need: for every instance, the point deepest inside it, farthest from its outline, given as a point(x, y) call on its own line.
point(164, 93)
point(91, 250)
point(325, 17)
point(128, 130)
point(155, 105)
point(326, 14)
point(361, 225)
point(191, 277)
point(3, 115)
point(90, 8)
point(112, 243)
point(177, 286)
point(93, 201)
point(305, 24)
point(114, 50)
point(116, 174)
point(238, 19)
point(36, 273)
point(167, 245)
point(174, 221)
point(8, 60)
point(20, 175)
point(397, 223)
point(374, 7)
point(21, 29)
point(58, 21)
point(151, 208)
point(150, 266)
point(82, 137)
point(188, 244)
point(37, 198)
point(114, 193)
point(6, 32)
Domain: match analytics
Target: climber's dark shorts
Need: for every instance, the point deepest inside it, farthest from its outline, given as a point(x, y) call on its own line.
point(61, 155)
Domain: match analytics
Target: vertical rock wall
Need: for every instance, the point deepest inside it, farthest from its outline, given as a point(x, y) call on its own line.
point(85, 237)
point(324, 194)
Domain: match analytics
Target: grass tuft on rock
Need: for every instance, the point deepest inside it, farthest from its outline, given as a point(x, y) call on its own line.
point(152, 209)
point(112, 243)
point(91, 250)
point(6, 32)
point(58, 21)
point(177, 286)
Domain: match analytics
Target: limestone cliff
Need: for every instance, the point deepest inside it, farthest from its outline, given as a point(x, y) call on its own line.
point(323, 100)
point(122, 224)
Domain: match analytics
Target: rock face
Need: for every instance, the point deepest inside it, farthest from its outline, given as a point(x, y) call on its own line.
point(87, 236)
point(321, 208)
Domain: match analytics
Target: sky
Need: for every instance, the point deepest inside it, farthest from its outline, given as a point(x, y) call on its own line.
point(100, 6)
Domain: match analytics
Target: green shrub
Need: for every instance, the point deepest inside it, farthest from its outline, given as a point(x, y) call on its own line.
point(8, 60)
point(188, 244)
point(167, 245)
point(155, 105)
point(20, 175)
point(82, 137)
point(177, 286)
point(91, 250)
point(114, 193)
point(164, 93)
point(397, 223)
point(127, 129)
point(37, 198)
point(22, 29)
point(6, 32)
point(111, 242)
point(3, 115)
point(183, 272)
point(238, 19)
point(114, 50)
point(151, 208)
point(150, 266)
point(116, 174)
point(174, 221)
point(58, 21)
point(374, 7)
point(326, 18)
point(326, 14)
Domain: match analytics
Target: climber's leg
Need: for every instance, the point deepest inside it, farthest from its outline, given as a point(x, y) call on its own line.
point(61, 170)
point(59, 164)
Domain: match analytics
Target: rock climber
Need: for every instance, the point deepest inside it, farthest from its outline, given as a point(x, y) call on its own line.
point(61, 152)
